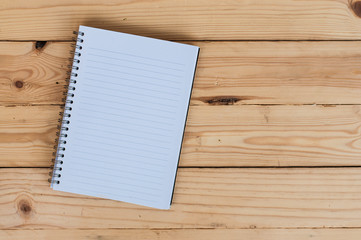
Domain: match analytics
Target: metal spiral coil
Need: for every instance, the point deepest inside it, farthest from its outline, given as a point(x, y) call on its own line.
point(64, 122)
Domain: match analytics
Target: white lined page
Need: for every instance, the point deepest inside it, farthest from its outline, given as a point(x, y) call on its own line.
point(128, 117)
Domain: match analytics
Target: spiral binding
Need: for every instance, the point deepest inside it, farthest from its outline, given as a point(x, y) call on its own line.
point(64, 120)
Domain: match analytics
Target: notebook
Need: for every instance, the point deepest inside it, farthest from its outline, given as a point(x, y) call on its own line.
point(125, 111)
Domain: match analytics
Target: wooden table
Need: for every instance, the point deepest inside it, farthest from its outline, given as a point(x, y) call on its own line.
point(272, 148)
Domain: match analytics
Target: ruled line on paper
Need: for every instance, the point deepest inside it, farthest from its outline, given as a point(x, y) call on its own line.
point(126, 147)
point(140, 63)
point(119, 139)
point(114, 114)
point(123, 91)
point(133, 86)
point(141, 69)
point(133, 80)
point(124, 114)
point(97, 192)
point(144, 114)
point(120, 132)
point(133, 105)
point(137, 56)
point(135, 93)
point(118, 176)
point(124, 153)
point(133, 74)
point(161, 103)
point(122, 171)
point(126, 122)
point(106, 186)
point(101, 156)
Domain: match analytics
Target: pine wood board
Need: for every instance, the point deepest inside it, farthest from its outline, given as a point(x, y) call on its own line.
point(184, 20)
point(217, 136)
point(232, 121)
point(181, 234)
point(228, 73)
point(204, 198)
point(27, 135)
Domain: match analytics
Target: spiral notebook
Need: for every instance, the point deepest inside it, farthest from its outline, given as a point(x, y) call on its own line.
point(125, 111)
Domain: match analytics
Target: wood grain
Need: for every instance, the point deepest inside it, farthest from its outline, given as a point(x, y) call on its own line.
point(278, 73)
point(180, 20)
point(234, 120)
point(241, 135)
point(27, 135)
point(181, 234)
point(228, 73)
point(32, 76)
point(204, 198)
point(249, 135)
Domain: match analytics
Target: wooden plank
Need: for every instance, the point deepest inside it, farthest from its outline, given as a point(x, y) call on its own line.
point(247, 135)
point(278, 73)
point(180, 20)
point(181, 234)
point(32, 76)
point(227, 73)
point(204, 198)
point(27, 135)
point(242, 135)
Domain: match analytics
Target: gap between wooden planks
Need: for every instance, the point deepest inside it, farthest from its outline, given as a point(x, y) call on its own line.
point(228, 73)
point(204, 198)
point(218, 136)
point(181, 234)
point(185, 20)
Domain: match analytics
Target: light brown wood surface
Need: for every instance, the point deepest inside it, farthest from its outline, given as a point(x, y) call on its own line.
point(233, 135)
point(176, 234)
point(181, 234)
point(272, 146)
point(227, 73)
point(204, 198)
point(179, 20)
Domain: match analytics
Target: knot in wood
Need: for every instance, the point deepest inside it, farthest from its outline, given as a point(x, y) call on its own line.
point(356, 7)
point(19, 84)
point(224, 100)
point(25, 207)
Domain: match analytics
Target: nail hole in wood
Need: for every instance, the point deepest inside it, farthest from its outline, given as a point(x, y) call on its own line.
point(40, 44)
